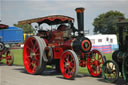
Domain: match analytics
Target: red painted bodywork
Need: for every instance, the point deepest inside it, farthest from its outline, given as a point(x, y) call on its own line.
point(58, 44)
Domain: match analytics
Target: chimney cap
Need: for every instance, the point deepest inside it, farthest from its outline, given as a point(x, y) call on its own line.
point(80, 9)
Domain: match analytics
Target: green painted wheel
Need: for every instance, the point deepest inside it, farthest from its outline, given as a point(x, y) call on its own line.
point(125, 69)
point(110, 71)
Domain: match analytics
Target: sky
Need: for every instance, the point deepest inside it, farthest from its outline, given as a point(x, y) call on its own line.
point(12, 11)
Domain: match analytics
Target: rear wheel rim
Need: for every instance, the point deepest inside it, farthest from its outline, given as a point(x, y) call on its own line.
point(95, 63)
point(31, 55)
point(68, 65)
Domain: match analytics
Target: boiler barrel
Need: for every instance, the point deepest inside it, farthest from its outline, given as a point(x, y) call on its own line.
point(80, 44)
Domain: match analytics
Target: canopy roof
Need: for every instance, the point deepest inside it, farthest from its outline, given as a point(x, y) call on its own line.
point(50, 20)
point(3, 26)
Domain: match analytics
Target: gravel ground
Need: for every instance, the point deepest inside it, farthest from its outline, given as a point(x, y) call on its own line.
point(16, 75)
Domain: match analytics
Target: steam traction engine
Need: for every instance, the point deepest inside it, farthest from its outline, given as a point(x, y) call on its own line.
point(61, 47)
point(111, 69)
point(5, 52)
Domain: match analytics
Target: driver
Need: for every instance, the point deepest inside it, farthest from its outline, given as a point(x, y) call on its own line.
point(62, 27)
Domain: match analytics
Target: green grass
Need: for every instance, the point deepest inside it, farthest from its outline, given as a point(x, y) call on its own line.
point(83, 70)
point(18, 59)
point(108, 56)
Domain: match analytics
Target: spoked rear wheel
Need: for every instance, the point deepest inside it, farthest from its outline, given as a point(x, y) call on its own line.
point(33, 53)
point(95, 62)
point(9, 58)
point(110, 71)
point(69, 64)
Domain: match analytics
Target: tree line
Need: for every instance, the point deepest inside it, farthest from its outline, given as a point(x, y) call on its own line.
point(106, 23)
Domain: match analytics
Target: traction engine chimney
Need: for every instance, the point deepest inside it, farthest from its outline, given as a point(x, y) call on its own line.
point(80, 20)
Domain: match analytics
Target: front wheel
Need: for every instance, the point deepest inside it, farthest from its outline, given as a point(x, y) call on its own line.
point(69, 64)
point(9, 58)
point(110, 71)
point(95, 62)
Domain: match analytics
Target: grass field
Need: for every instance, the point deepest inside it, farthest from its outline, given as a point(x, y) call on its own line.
point(18, 59)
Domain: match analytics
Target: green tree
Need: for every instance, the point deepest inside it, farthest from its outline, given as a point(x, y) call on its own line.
point(26, 28)
point(106, 23)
